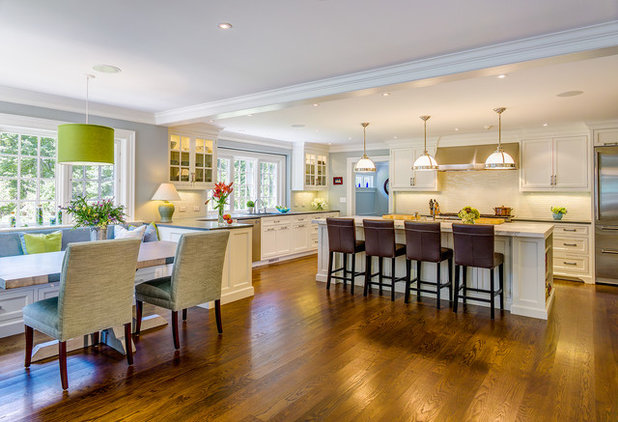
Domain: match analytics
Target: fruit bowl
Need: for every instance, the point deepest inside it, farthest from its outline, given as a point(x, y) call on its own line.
point(282, 210)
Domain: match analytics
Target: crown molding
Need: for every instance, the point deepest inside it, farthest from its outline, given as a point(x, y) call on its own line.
point(586, 42)
point(57, 102)
point(253, 140)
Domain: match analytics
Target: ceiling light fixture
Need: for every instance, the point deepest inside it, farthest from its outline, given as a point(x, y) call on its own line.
point(500, 160)
point(456, 129)
point(225, 25)
point(501, 76)
point(249, 115)
point(316, 105)
point(365, 164)
point(425, 161)
point(106, 68)
point(85, 144)
point(386, 94)
point(545, 124)
point(569, 94)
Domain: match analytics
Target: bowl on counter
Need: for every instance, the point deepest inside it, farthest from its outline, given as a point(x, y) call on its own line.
point(282, 210)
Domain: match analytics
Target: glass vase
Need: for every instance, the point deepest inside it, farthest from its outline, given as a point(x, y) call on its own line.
point(220, 218)
point(98, 233)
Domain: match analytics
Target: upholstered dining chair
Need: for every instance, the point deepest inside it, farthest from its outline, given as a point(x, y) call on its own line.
point(96, 292)
point(196, 279)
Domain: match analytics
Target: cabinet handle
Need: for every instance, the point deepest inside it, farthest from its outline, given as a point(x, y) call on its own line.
point(609, 251)
point(569, 244)
point(569, 230)
point(551, 180)
point(569, 263)
point(411, 181)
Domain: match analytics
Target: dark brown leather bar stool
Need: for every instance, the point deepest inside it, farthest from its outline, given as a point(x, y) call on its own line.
point(342, 239)
point(380, 242)
point(474, 247)
point(423, 244)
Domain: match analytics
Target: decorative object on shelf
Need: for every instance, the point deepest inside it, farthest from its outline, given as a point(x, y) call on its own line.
point(337, 180)
point(85, 144)
point(59, 215)
point(166, 192)
point(426, 160)
point(13, 220)
point(219, 196)
point(39, 216)
point(468, 215)
point(96, 215)
point(365, 164)
point(251, 207)
point(558, 212)
point(282, 209)
point(319, 204)
point(500, 160)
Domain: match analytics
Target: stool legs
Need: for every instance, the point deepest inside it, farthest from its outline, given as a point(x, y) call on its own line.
point(380, 270)
point(367, 275)
point(450, 280)
point(418, 280)
point(456, 289)
point(353, 273)
point(345, 270)
point(465, 283)
point(439, 282)
point(330, 269)
point(408, 280)
point(393, 278)
point(501, 275)
point(492, 289)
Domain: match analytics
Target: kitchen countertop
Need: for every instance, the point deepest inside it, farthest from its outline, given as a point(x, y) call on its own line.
point(277, 214)
point(194, 223)
point(551, 220)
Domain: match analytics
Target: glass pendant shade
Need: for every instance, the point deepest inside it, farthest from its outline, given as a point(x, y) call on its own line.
point(426, 161)
point(84, 144)
point(365, 164)
point(500, 160)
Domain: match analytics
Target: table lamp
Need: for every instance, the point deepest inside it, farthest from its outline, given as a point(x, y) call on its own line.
point(166, 192)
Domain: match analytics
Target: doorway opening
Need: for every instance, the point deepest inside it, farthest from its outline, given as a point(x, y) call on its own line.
point(368, 196)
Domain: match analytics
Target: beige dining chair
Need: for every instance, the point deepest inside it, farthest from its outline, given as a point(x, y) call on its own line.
point(96, 292)
point(196, 279)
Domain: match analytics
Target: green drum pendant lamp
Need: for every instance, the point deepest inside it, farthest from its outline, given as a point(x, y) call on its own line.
point(85, 144)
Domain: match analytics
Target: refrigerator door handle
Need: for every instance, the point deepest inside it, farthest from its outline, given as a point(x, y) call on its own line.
point(609, 251)
point(609, 228)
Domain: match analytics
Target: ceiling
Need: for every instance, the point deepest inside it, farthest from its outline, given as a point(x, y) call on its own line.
point(173, 54)
point(530, 96)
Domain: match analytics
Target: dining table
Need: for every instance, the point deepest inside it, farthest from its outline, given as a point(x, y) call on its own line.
point(26, 270)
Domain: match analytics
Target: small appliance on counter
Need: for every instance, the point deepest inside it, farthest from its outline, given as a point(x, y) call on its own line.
point(504, 212)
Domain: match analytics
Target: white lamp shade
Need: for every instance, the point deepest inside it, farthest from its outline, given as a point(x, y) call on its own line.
point(365, 165)
point(425, 162)
point(166, 192)
point(499, 160)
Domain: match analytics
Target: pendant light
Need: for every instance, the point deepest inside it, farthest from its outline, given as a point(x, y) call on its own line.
point(500, 160)
point(365, 164)
point(85, 144)
point(425, 161)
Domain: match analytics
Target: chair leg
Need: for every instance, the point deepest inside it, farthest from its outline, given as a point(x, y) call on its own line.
point(408, 280)
point(450, 280)
point(439, 282)
point(418, 280)
point(62, 359)
point(184, 314)
point(175, 329)
point(501, 275)
point(29, 332)
point(218, 316)
point(367, 274)
point(139, 307)
point(345, 270)
point(353, 273)
point(128, 343)
point(456, 289)
point(491, 288)
point(381, 271)
point(393, 278)
point(465, 284)
point(330, 269)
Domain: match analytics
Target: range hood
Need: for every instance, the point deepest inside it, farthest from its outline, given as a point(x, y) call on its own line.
point(471, 157)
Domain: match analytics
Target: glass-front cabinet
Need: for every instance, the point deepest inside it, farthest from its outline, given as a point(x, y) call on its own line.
point(309, 166)
point(191, 159)
point(315, 170)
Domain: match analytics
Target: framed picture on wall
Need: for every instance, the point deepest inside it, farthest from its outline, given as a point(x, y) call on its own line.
point(337, 180)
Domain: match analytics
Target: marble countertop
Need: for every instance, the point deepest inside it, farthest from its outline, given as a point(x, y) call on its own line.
point(194, 223)
point(565, 220)
point(513, 229)
point(275, 214)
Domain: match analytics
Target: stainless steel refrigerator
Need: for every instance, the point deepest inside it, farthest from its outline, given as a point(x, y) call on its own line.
point(606, 214)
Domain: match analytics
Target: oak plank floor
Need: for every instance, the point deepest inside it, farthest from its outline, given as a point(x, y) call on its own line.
point(297, 352)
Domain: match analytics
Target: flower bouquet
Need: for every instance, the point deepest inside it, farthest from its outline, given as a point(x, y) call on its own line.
point(219, 197)
point(319, 204)
point(468, 215)
point(96, 215)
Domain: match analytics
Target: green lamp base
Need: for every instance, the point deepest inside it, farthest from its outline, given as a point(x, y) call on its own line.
point(166, 210)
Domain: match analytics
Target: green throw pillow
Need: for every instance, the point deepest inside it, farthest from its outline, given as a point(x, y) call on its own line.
point(40, 243)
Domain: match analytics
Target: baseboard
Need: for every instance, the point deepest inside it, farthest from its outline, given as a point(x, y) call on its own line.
point(231, 297)
point(283, 258)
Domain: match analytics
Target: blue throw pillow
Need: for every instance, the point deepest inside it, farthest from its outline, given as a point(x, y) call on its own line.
point(152, 233)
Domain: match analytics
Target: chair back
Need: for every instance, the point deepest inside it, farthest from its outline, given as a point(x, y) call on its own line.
point(198, 268)
point(341, 234)
point(423, 241)
point(96, 286)
point(379, 238)
point(474, 245)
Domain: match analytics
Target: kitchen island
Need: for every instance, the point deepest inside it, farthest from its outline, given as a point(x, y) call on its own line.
point(528, 255)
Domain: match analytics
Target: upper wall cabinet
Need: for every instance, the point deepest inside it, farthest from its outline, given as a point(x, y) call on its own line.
point(555, 164)
point(309, 167)
point(403, 178)
point(192, 158)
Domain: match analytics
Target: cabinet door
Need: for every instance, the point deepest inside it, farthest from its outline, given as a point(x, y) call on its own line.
point(402, 175)
point(571, 162)
point(424, 180)
point(536, 165)
point(269, 242)
point(283, 240)
point(310, 170)
point(299, 238)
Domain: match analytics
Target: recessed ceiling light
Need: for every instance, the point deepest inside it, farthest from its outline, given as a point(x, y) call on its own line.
point(386, 94)
point(394, 137)
point(330, 143)
point(211, 121)
point(545, 124)
point(570, 93)
point(349, 138)
point(456, 129)
point(501, 76)
point(106, 68)
point(225, 25)
point(249, 115)
point(297, 125)
point(316, 105)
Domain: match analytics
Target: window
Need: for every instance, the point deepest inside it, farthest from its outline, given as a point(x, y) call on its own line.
point(364, 181)
point(257, 177)
point(93, 182)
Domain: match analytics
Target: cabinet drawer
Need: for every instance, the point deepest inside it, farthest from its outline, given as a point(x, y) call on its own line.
point(570, 245)
point(271, 221)
point(567, 265)
point(571, 230)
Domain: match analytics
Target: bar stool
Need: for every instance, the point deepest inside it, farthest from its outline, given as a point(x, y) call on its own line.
point(423, 244)
point(474, 247)
point(342, 239)
point(380, 242)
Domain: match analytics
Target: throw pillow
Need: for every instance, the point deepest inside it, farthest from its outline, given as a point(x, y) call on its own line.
point(133, 232)
point(152, 233)
point(41, 242)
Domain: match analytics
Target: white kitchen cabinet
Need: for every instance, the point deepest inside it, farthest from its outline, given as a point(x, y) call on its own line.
point(402, 177)
point(309, 167)
point(300, 238)
point(555, 164)
point(192, 160)
point(572, 251)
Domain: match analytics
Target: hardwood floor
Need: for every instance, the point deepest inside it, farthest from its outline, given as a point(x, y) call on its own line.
point(298, 352)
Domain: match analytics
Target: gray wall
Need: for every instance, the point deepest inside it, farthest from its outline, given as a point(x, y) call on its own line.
point(150, 150)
